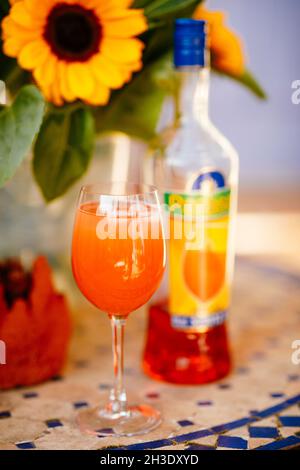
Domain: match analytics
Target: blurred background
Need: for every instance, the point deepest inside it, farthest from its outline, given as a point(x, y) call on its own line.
point(266, 134)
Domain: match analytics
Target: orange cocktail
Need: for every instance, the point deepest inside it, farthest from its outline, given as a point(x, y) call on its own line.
point(118, 259)
point(115, 271)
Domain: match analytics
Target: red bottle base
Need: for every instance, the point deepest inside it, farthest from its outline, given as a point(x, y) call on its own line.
point(184, 358)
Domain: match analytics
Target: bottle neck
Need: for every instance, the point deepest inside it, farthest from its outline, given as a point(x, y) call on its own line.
point(193, 97)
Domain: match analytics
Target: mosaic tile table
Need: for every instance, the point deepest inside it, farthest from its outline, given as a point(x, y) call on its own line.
point(256, 407)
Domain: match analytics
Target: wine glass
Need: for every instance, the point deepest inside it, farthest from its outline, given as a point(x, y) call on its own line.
point(118, 259)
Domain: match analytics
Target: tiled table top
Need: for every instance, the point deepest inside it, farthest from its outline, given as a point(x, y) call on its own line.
point(256, 407)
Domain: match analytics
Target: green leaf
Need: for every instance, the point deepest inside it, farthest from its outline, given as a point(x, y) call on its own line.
point(136, 108)
point(19, 124)
point(159, 43)
point(249, 81)
point(160, 38)
point(63, 150)
point(158, 9)
point(141, 3)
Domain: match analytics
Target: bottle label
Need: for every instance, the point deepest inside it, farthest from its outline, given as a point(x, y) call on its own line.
point(198, 234)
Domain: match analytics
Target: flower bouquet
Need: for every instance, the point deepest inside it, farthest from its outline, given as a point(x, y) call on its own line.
point(78, 68)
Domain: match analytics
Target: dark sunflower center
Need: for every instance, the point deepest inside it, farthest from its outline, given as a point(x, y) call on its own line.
point(73, 32)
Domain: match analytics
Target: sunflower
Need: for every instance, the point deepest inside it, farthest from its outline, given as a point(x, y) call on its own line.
point(75, 49)
point(226, 48)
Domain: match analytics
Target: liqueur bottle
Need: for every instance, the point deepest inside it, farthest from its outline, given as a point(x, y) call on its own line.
point(196, 171)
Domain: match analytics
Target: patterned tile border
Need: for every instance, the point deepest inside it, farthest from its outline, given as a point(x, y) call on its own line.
point(222, 428)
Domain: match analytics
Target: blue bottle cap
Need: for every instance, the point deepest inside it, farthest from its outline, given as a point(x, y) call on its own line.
point(190, 42)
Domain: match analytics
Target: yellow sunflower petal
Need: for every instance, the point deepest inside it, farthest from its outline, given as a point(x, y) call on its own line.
point(46, 73)
point(100, 96)
point(34, 54)
point(122, 50)
point(215, 17)
point(127, 75)
point(232, 62)
point(56, 97)
point(52, 93)
point(21, 15)
point(80, 80)
point(105, 5)
point(129, 69)
point(12, 46)
point(118, 3)
point(131, 24)
point(134, 66)
point(39, 8)
point(46, 78)
point(64, 85)
point(92, 4)
point(106, 72)
point(46, 91)
point(115, 13)
point(226, 47)
point(11, 29)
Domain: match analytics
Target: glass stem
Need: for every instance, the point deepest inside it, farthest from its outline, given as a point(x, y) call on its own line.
point(118, 398)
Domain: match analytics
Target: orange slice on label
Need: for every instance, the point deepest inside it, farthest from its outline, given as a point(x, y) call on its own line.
point(204, 273)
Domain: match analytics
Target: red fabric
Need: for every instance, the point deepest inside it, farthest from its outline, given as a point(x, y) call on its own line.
point(36, 332)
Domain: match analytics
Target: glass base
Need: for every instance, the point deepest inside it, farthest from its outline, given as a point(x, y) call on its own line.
point(135, 420)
